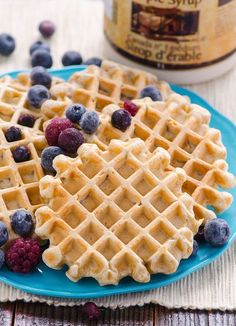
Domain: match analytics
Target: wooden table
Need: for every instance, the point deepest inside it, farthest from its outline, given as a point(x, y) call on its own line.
point(37, 314)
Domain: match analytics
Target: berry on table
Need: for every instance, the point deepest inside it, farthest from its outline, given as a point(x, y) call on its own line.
point(23, 255)
point(22, 222)
point(26, 120)
point(130, 107)
point(91, 311)
point(217, 232)
point(121, 119)
point(195, 248)
point(74, 112)
point(4, 234)
point(70, 140)
point(42, 58)
point(93, 61)
point(152, 92)
point(47, 28)
point(2, 258)
point(13, 134)
point(37, 94)
point(7, 44)
point(71, 58)
point(47, 157)
point(39, 45)
point(199, 237)
point(54, 128)
point(89, 122)
point(40, 76)
point(21, 154)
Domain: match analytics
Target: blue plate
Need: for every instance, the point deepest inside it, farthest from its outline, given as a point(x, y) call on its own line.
point(45, 281)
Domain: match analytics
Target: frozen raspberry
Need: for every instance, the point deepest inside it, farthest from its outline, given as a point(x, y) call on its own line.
point(70, 140)
point(121, 119)
point(47, 157)
point(54, 128)
point(91, 311)
point(130, 107)
point(89, 122)
point(22, 255)
point(195, 248)
point(22, 222)
point(47, 28)
point(152, 92)
point(2, 258)
point(21, 154)
point(4, 234)
point(13, 134)
point(217, 232)
point(26, 120)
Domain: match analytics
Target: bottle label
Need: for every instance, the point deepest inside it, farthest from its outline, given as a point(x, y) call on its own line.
point(173, 34)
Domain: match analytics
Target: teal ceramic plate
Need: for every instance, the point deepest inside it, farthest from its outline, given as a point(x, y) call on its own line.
point(45, 281)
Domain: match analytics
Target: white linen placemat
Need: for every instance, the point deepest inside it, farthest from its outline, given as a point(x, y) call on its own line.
point(79, 24)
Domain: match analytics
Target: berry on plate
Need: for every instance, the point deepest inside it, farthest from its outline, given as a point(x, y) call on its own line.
point(23, 255)
point(217, 232)
point(40, 76)
point(2, 258)
point(199, 237)
point(26, 120)
point(47, 28)
point(71, 58)
point(39, 45)
point(93, 61)
point(22, 222)
point(47, 157)
point(89, 122)
point(195, 248)
point(37, 94)
point(130, 107)
point(121, 119)
point(74, 112)
point(152, 92)
point(7, 44)
point(13, 134)
point(42, 58)
point(54, 128)
point(4, 234)
point(21, 154)
point(91, 311)
point(70, 140)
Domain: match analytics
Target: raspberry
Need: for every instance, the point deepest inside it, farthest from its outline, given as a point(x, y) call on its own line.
point(70, 140)
point(26, 120)
point(130, 107)
point(22, 255)
point(91, 311)
point(121, 119)
point(54, 128)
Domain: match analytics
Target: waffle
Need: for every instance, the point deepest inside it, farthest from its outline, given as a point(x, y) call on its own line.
point(116, 213)
point(13, 99)
point(97, 87)
point(19, 182)
point(183, 130)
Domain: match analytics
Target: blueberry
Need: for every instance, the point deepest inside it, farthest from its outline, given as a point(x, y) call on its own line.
point(152, 92)
point(93, 61)
point(48, 156)
point(40, 76)
point(71, 58)
point(37, 94)
point(26, 120)
point(2, 258)
point(13, 134)
point(22, 222)
point(47, 28)
point(4, 234)
point(42, 58)
point(39, 45)
point(21, 154)
point(70, 140)
point(217, 232)
point(7, 44)
point(74, 112)
point(199, 237)
point(195, 248)
point(121, 119)
point(89, 122)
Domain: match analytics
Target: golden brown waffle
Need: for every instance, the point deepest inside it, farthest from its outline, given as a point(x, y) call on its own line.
point(19, 182)
point(116, 213)
point(183, 130)
point(13, 99)
point(97, 87)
